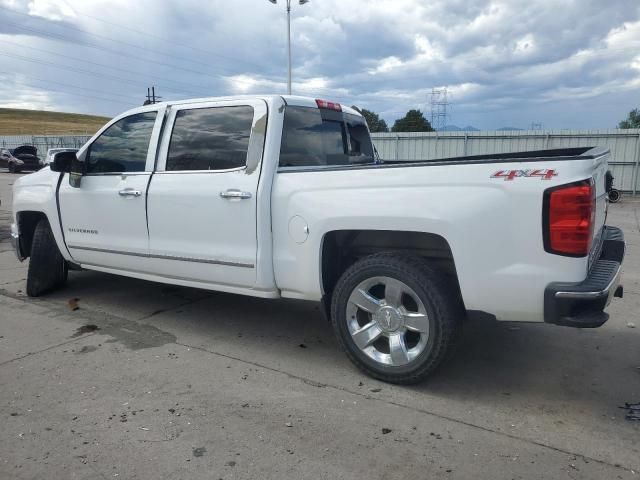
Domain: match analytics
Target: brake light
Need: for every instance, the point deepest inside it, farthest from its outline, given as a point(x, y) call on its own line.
point(329, 105)
point(569, 212)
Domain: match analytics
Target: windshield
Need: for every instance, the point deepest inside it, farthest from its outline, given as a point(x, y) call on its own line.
point(320, 137)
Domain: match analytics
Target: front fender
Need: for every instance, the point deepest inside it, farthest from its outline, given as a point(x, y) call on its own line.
point(36, 192)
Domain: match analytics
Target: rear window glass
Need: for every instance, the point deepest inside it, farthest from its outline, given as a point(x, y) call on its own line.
point(210, 138)
point(314, 137)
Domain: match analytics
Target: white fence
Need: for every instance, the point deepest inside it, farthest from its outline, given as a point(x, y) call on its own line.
point(624, 146)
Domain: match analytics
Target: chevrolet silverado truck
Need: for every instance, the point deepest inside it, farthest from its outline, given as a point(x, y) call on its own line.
point(285, 197)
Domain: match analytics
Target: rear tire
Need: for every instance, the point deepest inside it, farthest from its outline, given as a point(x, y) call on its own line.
point(396, 337)
point(47, 268)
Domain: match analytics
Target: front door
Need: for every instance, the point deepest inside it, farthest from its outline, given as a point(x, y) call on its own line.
point(202, 199)
point(104, 220)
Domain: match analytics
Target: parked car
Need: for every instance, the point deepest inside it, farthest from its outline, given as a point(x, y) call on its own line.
point(52, 151)
point(20, 158)
point(276, 196)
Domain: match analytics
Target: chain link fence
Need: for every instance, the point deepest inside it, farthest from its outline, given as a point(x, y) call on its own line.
point(44, 142)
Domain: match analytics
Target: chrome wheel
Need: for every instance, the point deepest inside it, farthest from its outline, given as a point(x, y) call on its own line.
point(387, 321)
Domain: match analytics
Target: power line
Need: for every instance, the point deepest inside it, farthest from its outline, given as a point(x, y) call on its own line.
point(131, 45)
point(112, 100)
point(180, 84)
point(109, 50)
point(48, 81)
point(119, 53)
point(170, 42)
point(79, 70)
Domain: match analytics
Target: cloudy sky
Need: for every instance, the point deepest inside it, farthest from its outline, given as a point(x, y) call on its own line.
point(564, 64)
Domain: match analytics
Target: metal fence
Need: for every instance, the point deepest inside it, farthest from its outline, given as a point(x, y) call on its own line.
point(624, 146)
point(44, 142)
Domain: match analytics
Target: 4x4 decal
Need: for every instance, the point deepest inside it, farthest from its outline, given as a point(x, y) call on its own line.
point(541, 173)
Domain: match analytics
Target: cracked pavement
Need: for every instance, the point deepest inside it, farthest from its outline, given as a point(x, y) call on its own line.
point(184, 383)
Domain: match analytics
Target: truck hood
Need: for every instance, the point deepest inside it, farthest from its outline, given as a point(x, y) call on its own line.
point(43, 176)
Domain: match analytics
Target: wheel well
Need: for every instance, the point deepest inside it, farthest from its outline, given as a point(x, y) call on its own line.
point(342, 248)
point(27, 222)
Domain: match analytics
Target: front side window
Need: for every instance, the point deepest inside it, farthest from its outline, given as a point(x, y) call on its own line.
point(214, 138)
point(123, 146)
point(315, 137)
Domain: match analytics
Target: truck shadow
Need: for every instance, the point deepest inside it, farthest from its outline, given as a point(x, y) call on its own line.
point(529, 369)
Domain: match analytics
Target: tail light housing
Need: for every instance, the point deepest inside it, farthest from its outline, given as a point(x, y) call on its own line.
point(569, 218)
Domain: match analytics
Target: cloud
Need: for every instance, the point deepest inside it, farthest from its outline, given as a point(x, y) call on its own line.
point(504, 61)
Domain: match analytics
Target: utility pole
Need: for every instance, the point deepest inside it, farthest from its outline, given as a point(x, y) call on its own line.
point(151, 96)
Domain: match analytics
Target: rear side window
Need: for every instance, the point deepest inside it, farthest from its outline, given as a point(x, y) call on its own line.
point(210, 138)
point(123, 146)
point(315, 137)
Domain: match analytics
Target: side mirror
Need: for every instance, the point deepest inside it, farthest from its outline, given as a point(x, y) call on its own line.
point(61, 161)
point(77, 169)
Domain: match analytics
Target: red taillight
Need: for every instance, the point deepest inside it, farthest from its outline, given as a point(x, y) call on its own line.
point(570, 213)
point(329, 105)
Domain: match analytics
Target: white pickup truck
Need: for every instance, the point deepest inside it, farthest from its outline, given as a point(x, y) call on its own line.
point(284, 196)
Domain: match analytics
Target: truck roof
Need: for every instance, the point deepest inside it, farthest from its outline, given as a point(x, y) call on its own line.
point(297, 100)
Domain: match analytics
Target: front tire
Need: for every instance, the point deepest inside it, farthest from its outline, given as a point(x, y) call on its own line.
point(12, 168)
point(396, 317)
point(47, 268)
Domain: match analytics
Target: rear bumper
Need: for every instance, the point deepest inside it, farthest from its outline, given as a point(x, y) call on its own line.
point(582, 304)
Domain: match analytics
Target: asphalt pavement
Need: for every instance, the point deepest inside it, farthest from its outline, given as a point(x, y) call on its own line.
point(113, 377)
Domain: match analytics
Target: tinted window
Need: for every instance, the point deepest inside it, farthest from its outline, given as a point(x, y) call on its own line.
point(313, 137)
point(210, 138)
point(123, 146)
point(359, 138)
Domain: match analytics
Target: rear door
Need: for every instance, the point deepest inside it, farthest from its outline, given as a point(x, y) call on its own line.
point(104, 220)
point(202, 198)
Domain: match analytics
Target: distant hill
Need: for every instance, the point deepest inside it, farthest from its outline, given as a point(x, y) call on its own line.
point(469, 128)
point(15, 121)
point(455, 128)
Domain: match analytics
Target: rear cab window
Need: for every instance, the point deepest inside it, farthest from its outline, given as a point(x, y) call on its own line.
point(314, 137)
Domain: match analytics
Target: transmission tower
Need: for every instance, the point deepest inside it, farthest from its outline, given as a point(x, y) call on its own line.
point(439, 105)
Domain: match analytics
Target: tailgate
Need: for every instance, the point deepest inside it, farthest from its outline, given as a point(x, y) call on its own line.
point(601, 164)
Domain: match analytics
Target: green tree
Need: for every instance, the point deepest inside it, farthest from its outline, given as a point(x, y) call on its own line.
point(376, 124)
point(413, 121)
point(632, 121)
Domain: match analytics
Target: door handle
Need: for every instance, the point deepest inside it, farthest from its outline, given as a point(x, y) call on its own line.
point(129, 192)
point(233, 193)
